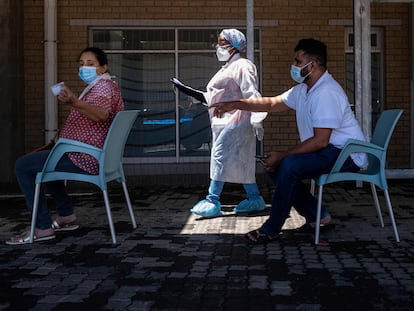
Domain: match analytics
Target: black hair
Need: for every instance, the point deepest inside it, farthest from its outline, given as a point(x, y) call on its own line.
point(100, 55)
point(315, 49)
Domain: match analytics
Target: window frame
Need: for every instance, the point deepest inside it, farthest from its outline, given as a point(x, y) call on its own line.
point(377, 48)
point(178, 158)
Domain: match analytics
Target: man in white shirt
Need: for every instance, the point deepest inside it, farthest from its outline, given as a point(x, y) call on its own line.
point(325, 122)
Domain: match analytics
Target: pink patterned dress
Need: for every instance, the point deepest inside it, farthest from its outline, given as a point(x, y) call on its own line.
point(105, 94)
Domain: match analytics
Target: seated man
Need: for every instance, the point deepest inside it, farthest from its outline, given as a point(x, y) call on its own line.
point(325, 122)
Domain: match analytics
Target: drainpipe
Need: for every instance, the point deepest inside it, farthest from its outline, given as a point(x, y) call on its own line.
point(50, 50)
point(412, 87)
point(362, 53)
point(250, 29)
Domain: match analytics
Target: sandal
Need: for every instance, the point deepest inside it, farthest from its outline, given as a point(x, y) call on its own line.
point(309, 227)
point(64, 227)
point(324, 221)
point(305, 228)
point(259, 237)
point(24, 238)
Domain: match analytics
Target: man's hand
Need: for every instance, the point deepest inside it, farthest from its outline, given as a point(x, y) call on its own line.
point(272, 160)
point(221, 108)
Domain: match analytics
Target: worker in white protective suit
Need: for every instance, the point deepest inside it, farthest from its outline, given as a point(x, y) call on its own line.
point(234, 135)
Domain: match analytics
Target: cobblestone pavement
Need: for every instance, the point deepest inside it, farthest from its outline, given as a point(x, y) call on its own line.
point(177, 261)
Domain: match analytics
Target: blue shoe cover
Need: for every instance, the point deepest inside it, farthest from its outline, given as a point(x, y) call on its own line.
point(207, 209)
point(247, 205)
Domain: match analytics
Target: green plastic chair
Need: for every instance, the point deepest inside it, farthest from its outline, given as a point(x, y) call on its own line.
point(110, 165)
point(374, 174)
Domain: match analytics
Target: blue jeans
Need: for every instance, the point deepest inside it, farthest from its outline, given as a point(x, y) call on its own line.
point(290, 190)
point(26, 168)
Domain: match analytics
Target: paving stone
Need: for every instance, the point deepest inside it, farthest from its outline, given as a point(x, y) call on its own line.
point(178, 261)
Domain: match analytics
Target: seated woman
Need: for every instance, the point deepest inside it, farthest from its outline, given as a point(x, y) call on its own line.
point(89, 120)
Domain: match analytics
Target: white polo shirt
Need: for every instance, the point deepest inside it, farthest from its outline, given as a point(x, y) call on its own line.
point(325, 106)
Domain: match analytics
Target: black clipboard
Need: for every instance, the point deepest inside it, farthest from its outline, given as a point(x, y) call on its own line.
point(198, 95)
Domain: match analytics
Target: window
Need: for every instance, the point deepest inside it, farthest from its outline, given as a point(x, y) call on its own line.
point(170, 126)
point(377, 65)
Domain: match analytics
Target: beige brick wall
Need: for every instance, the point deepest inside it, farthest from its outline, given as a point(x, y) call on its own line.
point(397, 84)
point(295, 20)
point(34, 73)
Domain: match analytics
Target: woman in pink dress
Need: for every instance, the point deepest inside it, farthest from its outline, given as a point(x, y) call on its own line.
point(89, 120)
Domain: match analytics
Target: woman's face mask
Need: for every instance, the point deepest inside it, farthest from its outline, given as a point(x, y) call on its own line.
point(295, 73)
point(222, 52)
point(88, 74)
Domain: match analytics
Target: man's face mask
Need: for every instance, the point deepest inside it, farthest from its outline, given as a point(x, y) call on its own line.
point(222, 53)
point(87, 74)
point(295, 73)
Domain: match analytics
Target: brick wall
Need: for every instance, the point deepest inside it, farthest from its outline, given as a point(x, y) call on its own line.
point(34, 73)
point(397, 83)
point(295, 20)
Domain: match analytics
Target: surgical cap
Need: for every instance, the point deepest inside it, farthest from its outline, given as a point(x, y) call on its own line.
point(235, 37)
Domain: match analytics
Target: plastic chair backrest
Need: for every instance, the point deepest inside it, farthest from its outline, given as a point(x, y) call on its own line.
point(382, 135)
point(385, 127)
point(116, 139)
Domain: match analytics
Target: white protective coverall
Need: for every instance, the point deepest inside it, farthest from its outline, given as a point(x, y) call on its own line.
point(234, 135)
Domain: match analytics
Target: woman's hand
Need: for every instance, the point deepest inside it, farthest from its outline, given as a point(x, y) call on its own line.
point(93, 112)
point(66, 96)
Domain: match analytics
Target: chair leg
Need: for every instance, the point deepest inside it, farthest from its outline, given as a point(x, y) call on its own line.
point(312, 187)
point(108, 213)
point(131, 211)
point(318, 215)
point(390, 211)
point(34, 212)
point(377, 205)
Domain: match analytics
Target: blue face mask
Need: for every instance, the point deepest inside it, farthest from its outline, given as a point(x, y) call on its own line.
point(88, 74)
point(295, 73)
